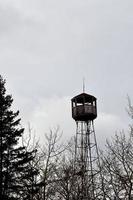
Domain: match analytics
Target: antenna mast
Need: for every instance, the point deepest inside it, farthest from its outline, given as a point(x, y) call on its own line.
point(83, 85)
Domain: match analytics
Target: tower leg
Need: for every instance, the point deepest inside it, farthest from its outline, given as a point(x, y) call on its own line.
point(87, 164)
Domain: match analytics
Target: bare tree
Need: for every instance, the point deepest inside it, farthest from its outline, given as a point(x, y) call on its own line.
point(117, 164)
point(31, 174)
point(66, 184)
point(49, 162)
point(118, 167)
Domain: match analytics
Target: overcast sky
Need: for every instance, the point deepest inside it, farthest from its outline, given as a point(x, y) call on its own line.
point(48, 46)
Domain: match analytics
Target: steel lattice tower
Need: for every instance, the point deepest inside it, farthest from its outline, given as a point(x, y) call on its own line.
point(87, 165)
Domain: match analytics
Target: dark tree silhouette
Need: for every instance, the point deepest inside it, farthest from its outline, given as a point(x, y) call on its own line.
point(15, 161)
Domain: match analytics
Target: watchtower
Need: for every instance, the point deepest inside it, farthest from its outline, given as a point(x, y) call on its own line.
point(84, 112)
point(84, 107)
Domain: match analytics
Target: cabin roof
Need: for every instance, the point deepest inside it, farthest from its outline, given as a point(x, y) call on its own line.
point(83, 96)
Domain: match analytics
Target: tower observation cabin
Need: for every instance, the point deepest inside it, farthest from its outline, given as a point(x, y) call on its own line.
point(84, 107)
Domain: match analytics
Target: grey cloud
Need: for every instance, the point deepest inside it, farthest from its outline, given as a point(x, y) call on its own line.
point(8, 20)
point(47, 47)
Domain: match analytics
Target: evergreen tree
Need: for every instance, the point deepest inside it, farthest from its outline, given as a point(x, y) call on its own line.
point(17, 172)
